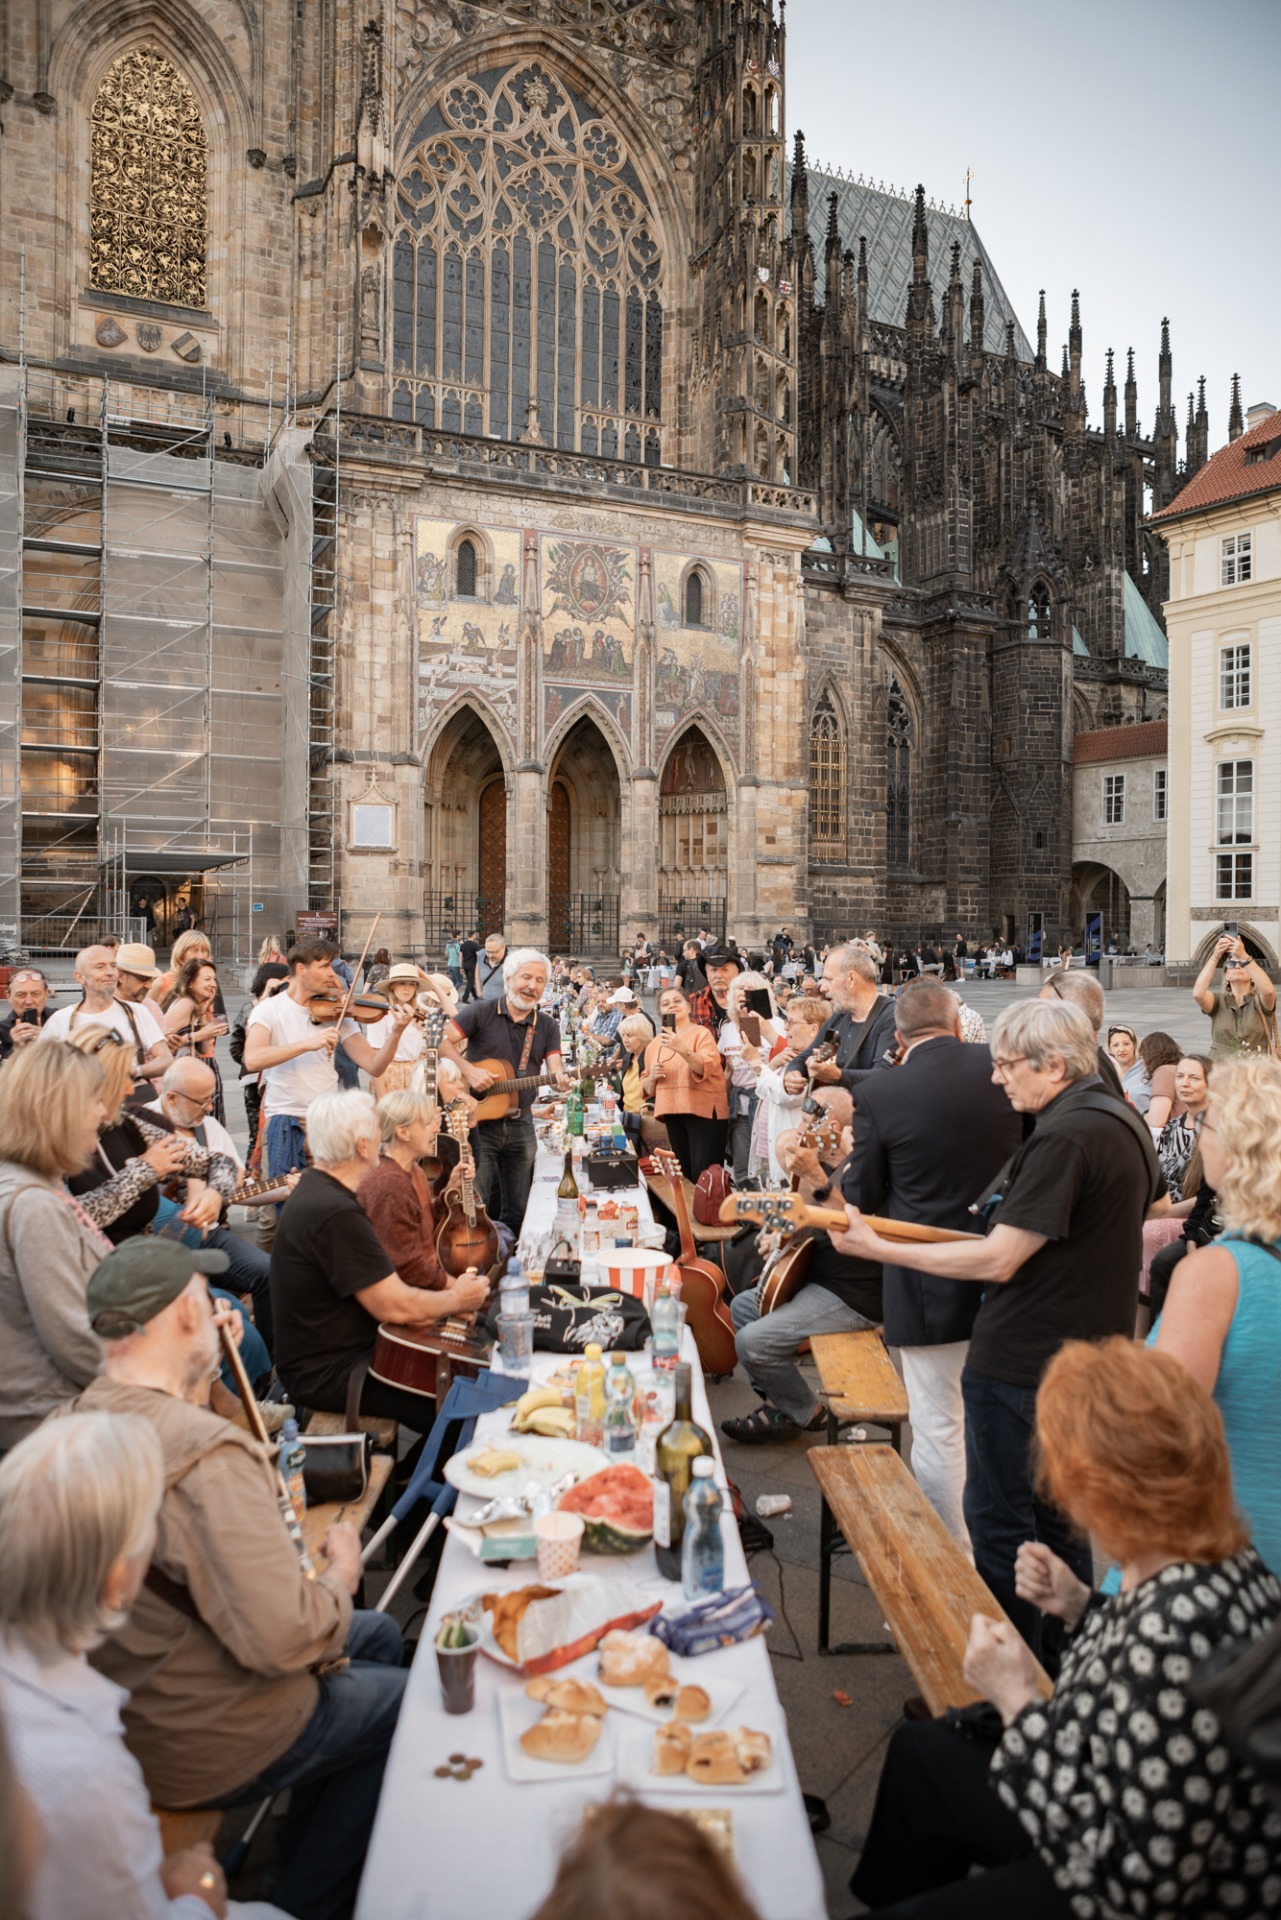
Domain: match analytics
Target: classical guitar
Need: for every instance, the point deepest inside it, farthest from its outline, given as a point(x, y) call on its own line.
point(701, 1282)
point(497, 1101)
point(466, 1237)
point(787, 1268)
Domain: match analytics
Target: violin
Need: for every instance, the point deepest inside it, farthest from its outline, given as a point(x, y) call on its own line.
point(332, 1004)
point(466, 1237)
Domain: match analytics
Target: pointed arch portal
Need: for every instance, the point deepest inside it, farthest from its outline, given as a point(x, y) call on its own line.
point(465, 831)
point(693, 840)
point(584, 814)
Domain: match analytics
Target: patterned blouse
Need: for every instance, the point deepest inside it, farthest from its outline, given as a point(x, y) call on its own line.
point(116, 1194)
point(1125, 1785)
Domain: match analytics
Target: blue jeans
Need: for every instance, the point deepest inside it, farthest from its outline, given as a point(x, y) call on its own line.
point(1002, 1508)
point(334, 1770)
point(249, 1273)
point(767, 1348)
point(254, 1356)
point(284, 1146)
point(505, 1150)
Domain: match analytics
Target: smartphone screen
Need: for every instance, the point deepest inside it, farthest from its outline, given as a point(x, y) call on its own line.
point(669, 1023)
point(758, 1000)
point(750, 1027)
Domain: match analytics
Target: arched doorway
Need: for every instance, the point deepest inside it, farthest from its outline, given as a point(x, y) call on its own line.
point(693, 840)
point(465, 833)
point(1098, 889)
point(584, 813)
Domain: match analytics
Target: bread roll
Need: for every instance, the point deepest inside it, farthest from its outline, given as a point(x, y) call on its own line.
point(630, 1659)
point(567, 1737)
point(570, 1696)
point(662, 1693)
point(713, 1760)
point(671, 1748)
point(692, 1703)
point(753, 1749)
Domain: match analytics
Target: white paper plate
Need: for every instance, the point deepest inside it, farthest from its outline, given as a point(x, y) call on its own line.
point(516, 1713)
point(631, 1700)
point(635, 1751)
point(542, 1461)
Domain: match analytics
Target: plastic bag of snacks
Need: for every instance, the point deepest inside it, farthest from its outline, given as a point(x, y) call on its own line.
point(721, 1620)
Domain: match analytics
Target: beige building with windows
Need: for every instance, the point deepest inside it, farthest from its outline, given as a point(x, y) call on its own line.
point(1223, 616)
point(1120, 800)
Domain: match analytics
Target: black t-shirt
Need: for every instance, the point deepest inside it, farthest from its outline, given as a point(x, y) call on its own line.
point(470, 949)
point(492, 1034)
point(857, 1282)
point(1082, 1179)
point(324, 1254)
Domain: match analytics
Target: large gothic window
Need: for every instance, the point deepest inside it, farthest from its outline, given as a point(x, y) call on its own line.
point(148, 195)
point(527, 271)
point(827, 784)
point(898, 778)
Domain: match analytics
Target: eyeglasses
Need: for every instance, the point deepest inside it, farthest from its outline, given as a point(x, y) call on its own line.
point(109, 1039)
point(1003, 1064)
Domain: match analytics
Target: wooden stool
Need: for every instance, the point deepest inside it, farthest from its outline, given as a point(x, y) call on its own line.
point(386, 1432)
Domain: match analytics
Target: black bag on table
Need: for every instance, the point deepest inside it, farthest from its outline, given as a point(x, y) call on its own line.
point(568, 1318)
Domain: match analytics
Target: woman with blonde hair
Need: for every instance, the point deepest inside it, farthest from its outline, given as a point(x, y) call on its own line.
point(188, 946)
point(51, 1107)
point(401, 988)
point(1117, 1796)
point(1222, 1315)
point(78, 1505)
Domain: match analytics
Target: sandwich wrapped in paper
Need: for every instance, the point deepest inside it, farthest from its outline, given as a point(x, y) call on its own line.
point(542, 1628)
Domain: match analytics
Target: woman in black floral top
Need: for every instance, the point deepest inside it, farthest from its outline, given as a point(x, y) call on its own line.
point(1117, 1796)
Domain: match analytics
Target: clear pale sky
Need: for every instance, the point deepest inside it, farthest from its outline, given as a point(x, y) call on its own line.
point(1128, 149)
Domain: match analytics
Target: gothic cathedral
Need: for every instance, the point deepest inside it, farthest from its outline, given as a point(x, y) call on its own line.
point(457, 462)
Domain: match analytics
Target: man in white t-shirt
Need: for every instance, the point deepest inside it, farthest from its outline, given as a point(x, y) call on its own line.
point(104, 1005)
point(295, 1056)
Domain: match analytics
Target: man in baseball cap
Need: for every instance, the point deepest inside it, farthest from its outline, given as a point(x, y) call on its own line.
point(140, 1278)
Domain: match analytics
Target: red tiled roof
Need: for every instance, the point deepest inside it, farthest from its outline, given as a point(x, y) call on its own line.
point(1227, 476)
point(1120, 743)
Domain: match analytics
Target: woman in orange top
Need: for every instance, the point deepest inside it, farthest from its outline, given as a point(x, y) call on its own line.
point(685, 1079)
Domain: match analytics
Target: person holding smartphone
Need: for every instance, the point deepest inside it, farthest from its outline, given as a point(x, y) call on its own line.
point(747, 1038)
point(28, 1010)
point(1243, 1011)
point(684, 1078)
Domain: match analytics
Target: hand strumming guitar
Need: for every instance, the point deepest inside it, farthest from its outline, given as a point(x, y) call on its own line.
point(479, 1079)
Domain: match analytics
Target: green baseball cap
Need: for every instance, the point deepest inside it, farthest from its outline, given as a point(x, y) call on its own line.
point(140, 1278)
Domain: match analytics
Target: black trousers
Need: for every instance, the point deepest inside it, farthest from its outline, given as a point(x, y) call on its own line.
point(936, 1816)
point(698, 1143)
point(1161, 1272)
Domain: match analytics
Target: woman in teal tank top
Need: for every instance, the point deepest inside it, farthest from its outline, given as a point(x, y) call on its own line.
point(1223, 1314)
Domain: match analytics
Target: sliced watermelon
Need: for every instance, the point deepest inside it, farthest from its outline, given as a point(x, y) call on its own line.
point(617, 1506)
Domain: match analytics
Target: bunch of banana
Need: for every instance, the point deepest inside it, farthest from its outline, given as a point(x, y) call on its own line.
point(540, 1411)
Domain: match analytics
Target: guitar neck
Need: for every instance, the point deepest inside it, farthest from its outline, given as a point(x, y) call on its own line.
point(513, 1086)
point(791, 1214)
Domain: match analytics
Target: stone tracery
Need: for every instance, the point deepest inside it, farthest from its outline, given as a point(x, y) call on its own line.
point(148, 222)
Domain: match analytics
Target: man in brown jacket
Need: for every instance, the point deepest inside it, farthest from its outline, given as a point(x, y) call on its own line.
point(245, 1676)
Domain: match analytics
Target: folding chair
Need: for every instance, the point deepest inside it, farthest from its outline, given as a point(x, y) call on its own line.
point(465, 1402)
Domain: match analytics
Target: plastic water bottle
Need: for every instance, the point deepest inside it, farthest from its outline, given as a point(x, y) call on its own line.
point(589, 1396)
point(293, 1456)
point(513, 1290)
point(665, 1325)
point(619, 1439)
point(702, 1549)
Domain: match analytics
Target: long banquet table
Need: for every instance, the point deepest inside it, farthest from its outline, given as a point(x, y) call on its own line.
point(488, 1847)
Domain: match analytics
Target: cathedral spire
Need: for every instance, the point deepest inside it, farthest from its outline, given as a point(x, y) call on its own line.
point(1074, 345)
point(1041, 335)
point(978, 316)
point(1236, 420)
point(833, 256)
point(1131, 398)
point(1167, 427)
point(920, 241)
point(1109, 398)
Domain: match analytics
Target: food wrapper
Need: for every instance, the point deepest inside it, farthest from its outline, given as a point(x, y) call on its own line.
point(554, 1632)
point(722, 1620)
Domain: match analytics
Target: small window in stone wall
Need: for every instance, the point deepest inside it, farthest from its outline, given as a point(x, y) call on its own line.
point(465, 570)
point(827, 784)
point(1114, 799)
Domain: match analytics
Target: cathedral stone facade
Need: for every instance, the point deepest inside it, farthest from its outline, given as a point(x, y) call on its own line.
point(461, 465)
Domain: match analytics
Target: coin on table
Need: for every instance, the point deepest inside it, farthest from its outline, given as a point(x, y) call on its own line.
point(444, 1773)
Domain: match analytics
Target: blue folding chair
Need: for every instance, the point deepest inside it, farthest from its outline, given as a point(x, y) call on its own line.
point(465, 1402)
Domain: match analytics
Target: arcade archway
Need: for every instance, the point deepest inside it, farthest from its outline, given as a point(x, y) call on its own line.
point(584, 812)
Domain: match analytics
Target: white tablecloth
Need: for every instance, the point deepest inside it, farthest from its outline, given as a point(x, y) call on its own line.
point(451, 1850)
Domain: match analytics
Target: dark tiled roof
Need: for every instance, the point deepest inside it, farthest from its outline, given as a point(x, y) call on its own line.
point(1229, 474)
point(1120, 743)
point(885, 220)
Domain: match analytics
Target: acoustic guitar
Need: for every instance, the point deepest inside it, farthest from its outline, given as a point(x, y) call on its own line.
point(784, 1274)
point(424, 1360)
point(701, 1282)
point(498, 1101)
point(466, 1239)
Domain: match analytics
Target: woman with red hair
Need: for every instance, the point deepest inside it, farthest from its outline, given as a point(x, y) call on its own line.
point(1118, 1795)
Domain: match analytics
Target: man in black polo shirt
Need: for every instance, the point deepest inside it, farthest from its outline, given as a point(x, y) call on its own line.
point(510, 1029)
point(1061, 1263)
point(861, 1023)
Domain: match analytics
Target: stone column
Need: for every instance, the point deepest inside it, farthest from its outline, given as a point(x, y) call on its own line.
point(639, 902)
point(527, 865)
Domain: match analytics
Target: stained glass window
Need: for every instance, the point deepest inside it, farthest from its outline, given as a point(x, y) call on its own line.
point(528, 265)
point(148, 195)
point(827, 783)
point(898, 779)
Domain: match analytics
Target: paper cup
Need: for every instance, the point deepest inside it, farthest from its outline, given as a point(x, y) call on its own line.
point(632, 1269)
point(558, 1539)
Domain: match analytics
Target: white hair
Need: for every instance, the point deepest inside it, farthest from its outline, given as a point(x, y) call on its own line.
point(76, 1495)
point(337, 1123)
point(524, 957)
point(1040, 1030)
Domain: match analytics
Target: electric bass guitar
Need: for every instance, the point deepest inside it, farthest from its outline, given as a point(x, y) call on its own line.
point(784, 1274)
point(701, 1282)
point(498, 1101)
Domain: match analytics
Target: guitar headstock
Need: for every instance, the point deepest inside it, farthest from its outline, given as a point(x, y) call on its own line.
point(457, 1121)
point(666, 1163)
point(433, 1028)
point(825, 1051)
point(774, 1212)
point(821, 1136)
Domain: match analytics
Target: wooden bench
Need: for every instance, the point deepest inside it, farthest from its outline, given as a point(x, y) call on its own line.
point(180, 1830)
point(919, 1577)
point(858, 1382)
point(386, 1432)
point(317, 1521)
point(660, 1189)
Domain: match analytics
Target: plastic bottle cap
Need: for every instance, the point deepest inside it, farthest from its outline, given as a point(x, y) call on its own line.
point(591, 1351)
point(618, 1359)
point(703, 1468)
point(290, 1430)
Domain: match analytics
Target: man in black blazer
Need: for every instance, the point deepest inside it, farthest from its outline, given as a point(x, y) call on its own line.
point(929, 1138)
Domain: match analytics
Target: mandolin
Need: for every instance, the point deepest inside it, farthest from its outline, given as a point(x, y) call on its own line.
point(466, 1237)
point(496, 1102)
point(701, 1282)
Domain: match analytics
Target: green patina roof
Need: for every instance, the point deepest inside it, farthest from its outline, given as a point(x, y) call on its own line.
point(1144, 639)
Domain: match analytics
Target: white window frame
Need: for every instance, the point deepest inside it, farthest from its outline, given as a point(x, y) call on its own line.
point(1233, 874)
point(1234, 796)
point(1236, 559)
point(1160, 793)
point(1236, 676)
point(1114, 799)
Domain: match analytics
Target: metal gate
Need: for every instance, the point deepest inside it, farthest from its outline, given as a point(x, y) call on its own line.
point(445, 914)
point(583, 925)
point(681, 919)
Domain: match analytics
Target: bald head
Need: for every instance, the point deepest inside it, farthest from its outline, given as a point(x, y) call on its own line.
point(189, 1076)
point(1078, 990)
point(98, 975)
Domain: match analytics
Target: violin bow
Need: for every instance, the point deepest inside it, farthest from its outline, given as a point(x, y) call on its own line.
point(253, 1415)
point(350, 994)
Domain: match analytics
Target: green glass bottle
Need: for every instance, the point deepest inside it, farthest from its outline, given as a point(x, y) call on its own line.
point(675, 1452)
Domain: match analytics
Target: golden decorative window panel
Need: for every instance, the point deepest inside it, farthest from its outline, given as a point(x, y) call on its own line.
point(827, 784)
point(148, 207)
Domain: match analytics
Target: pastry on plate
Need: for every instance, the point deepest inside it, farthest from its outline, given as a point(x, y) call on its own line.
point(671, 1748)
point(491, 1461)
point(567, 1737)
point(725, 1759)
point(570, 1696)
point(631, 1659)
point(662, 1691)
point(692, 1703)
